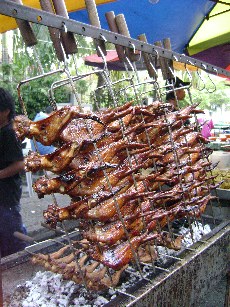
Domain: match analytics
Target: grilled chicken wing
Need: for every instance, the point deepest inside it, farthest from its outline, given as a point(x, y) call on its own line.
point(48, 130)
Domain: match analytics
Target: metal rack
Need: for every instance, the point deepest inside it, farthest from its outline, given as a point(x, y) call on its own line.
point(130, 82)
point(63, 24)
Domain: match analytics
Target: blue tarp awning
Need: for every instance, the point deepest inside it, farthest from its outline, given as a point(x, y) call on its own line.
point(178, 20)
point(199, 28)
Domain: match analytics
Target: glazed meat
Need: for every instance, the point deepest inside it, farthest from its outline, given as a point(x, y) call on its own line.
point(129, 171)
point(56, 162)
point(48, 130)
point(121, 254)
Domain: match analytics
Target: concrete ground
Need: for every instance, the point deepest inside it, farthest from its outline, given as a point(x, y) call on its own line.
point(222, 158)
point(32, 212)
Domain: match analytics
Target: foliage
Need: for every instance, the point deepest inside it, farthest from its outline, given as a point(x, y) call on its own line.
point(117, 92)
point(32, 62)
point(209, 92)
point(41, 59)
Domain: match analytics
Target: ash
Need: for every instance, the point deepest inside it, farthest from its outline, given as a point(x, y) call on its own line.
point(198, 231)
point(48, 289)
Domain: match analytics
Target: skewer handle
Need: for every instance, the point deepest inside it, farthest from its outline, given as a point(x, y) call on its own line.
point(147, 58)
point(46, 5)
point(123, 29)
point(110, 17)
point(167, 45)
point(26, 30)
point(166, 73)
point(23, 237)
point(68, 39)
point(94, 21)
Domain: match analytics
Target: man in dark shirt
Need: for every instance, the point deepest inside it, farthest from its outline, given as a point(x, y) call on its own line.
point(11, 164)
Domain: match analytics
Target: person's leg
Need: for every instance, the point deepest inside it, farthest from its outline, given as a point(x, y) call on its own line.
point(10, 221)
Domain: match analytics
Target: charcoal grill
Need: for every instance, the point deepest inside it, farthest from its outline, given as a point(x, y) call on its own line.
point(197, 267)
point(183, 281)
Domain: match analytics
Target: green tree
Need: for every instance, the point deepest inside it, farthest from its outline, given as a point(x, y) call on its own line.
point(207, 90)
point(39, 60)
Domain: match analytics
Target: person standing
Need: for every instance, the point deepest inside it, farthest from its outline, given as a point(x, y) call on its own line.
point(206, 127)
point(11, 164)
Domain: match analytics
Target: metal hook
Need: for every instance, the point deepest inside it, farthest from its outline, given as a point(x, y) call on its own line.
point(204, 66)
point(130, 64)
point(202, 80)
point(214, 86)
point(154, 58)
point(175, 58)
point(103, 58)
point(154, 68)
point(103, 38)
point(157, 53)
point(64, 27)
point(189, 74)
point(173, 73)
point(187, 70)
point(215, 70)
point(133, 47)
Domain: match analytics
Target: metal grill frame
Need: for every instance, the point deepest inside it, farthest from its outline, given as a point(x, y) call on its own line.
point(79, 28)
point(202, 267)
point(15, 10)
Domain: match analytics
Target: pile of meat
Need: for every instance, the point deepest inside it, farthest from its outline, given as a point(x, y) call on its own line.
point(129, 171)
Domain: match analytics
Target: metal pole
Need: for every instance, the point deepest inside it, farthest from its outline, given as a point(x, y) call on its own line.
point(18, 11)
point(227, 294)
point(1, 292)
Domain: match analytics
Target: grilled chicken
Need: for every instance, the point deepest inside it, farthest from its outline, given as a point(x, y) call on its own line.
point(129, 171)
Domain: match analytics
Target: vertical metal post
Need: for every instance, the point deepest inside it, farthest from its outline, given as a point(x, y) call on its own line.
point(227, 295)
point(1, 292)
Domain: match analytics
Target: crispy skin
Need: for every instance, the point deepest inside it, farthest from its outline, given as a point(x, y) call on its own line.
point(92, 178)
point(48, 130)
point(118, 256)
point(56, 162)
point(133, 166)
point(145, 218)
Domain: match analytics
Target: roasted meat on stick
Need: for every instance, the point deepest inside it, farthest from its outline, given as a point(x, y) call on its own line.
point(129, 171)
point(47, 131)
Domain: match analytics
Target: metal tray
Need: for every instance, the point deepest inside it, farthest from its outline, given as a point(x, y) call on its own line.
point(223, 194)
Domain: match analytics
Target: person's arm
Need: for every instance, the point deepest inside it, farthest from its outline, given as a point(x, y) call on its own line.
point(12, 169)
